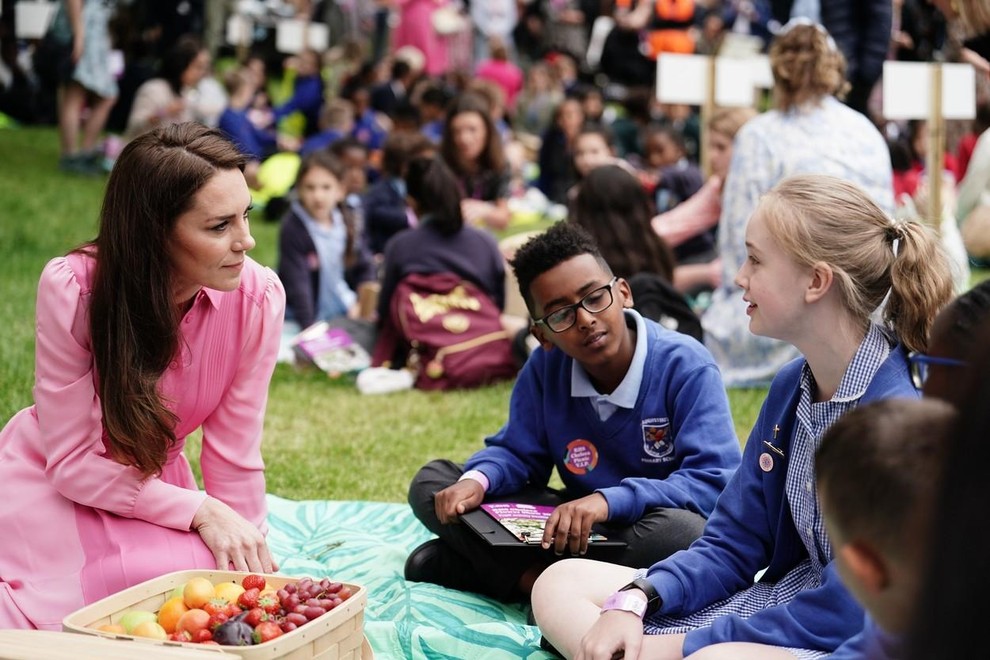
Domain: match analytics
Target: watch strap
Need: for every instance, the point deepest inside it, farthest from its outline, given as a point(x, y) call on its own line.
point(653, 600)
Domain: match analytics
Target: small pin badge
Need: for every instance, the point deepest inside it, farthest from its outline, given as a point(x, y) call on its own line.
point(766, 462)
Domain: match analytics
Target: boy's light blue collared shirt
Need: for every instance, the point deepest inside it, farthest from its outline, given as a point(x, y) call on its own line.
point(627, 392)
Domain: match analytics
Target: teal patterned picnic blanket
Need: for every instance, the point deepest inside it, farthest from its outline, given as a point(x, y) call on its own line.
point(367, 543)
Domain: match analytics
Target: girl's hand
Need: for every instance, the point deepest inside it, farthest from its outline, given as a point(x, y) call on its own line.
point(233, 540)
point(615, 633)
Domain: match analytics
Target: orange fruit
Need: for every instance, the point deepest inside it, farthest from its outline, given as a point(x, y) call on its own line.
point(193, 621)
point(229, 591)
point(197, 591)
point(149, 629)
point(170, 612)
point(112, 628)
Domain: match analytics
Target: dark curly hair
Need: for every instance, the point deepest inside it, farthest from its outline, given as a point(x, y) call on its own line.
point(556, 245)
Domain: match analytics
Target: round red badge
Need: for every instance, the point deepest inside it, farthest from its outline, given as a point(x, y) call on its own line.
point(581, 457)
point(766, 462)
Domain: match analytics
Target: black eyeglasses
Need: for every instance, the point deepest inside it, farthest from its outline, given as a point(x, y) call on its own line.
point(596, 301)
point(919, 363)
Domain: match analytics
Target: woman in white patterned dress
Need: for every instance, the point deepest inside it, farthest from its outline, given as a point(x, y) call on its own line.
point(811, 132)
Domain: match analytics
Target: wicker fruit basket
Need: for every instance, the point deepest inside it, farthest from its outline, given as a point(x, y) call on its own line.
point(337, 634)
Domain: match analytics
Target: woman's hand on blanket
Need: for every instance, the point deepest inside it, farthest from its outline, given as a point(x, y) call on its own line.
point(616, 633)
point(569, 526)
point(232, 539)
point(465, 495)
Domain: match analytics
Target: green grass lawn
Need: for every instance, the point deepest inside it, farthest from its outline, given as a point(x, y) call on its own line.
point(323, 440)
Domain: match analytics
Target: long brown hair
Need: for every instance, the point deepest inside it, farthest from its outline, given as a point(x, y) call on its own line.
point(613, 207)
point(133, 316)
point(492, 158)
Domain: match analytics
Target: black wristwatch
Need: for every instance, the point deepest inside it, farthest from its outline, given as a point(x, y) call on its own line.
point(653, 601)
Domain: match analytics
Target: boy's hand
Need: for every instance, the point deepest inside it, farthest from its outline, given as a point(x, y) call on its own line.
point(570, 524)
point(465, 495)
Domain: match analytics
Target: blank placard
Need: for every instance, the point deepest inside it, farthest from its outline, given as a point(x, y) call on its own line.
point(292, 36)
point(32, 18)
point(762, 71)
point(239, 30)
point(733, 82)
point(907, 90)
point(958, 91)
point(682, 78)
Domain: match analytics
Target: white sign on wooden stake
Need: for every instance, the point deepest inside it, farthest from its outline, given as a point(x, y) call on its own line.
point(292, 36)
point(907, 90)
point(684, 79)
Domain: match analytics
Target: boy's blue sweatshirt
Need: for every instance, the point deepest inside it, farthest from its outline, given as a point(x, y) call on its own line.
point(676, 448)
point(752, 529)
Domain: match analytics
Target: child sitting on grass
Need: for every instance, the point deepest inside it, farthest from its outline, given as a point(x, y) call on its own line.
point(877, 471)
point(634, 418)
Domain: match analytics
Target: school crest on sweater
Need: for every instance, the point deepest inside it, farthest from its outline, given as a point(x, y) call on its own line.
point(658, 441)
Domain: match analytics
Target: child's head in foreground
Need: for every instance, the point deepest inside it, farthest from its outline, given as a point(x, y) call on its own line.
point(878, 471)
point(957, 332)
point(575, 300)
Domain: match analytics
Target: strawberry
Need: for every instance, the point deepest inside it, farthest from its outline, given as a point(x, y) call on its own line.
point(253, 581)
point(266, 631)
point(255, 616)
point(249, 598)
point(269, 603)
point(215, 606)
point(216, 620)
point(233, 609)
point(203, 635)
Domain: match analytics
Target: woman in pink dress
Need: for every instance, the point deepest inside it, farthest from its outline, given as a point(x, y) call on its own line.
point(158, 327)
point(415, 28)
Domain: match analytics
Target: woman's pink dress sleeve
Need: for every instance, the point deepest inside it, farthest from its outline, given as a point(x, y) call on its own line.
point(70, 420)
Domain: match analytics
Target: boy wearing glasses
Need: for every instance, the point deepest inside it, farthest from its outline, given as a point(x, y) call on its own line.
point(633, 417)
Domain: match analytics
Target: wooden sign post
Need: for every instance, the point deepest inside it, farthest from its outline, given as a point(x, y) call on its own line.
point(934, 92)
point(710, 82)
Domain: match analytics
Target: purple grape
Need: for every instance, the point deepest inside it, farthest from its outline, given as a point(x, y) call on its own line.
point(295, 618)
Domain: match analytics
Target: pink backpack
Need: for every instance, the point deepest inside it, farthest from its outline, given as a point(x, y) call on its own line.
point(447, 331)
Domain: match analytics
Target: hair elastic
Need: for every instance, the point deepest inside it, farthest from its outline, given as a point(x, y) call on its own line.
point(802, 20)
point(894, 232)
